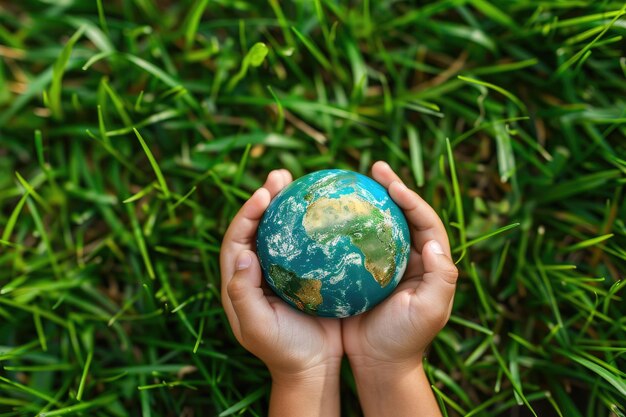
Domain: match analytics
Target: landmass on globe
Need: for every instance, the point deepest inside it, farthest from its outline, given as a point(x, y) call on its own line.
point(304, 293)
point(368, 228)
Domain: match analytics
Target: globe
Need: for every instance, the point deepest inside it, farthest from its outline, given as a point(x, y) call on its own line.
point(333, 243)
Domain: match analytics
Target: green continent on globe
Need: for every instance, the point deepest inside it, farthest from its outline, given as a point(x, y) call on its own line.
point(365, 225)
point(304, 293)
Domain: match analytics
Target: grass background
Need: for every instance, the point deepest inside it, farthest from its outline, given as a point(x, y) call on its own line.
point(508, 117)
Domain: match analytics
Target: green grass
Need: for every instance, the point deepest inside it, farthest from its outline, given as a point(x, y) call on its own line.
point(132, 131)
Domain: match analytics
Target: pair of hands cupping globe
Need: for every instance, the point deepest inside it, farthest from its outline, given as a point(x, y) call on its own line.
point(333, 243)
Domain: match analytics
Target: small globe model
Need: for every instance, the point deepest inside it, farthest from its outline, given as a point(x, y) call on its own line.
point(333, 243)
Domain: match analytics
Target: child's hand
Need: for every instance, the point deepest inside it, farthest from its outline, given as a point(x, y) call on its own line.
point(385, 346)
point(303, 353)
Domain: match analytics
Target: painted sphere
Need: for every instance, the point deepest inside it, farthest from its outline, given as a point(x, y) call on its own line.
point(333, 243)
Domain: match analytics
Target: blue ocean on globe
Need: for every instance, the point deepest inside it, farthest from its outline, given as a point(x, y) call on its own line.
point(333, 243)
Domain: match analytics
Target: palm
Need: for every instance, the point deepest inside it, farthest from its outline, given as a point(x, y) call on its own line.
point(377, 333)
point(306, 338)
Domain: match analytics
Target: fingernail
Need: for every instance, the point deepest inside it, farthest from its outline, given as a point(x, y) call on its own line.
point(243, 261)
point(436, 247)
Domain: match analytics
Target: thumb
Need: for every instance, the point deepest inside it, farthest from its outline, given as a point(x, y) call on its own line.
point(440, 274)
point(245, 292)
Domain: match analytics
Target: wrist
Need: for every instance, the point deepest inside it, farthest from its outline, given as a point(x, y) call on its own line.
point(394, 389)
point(383, 370)
point(311, 392)
point(308, 376)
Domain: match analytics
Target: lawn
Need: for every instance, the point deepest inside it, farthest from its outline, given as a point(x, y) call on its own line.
point(132, 131)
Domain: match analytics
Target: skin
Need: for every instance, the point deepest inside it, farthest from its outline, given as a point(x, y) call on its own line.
point(385, 346)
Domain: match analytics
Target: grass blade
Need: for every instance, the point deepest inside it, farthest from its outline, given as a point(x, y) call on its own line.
point(415, 148)
point(243, 403)
point(154, 164)
point(73, 409)
point(83, 378)
point(44, 236)
point(494, 87)
point(139, 240)
point(58, 69)
point(563, 67)
point(39, 328)
point(618, 383)
point(587, 243)
point(485, 237)
point(458, 203)
point(30, 190)
point(193, 20)
point(8, 228)
point(313, 49)
point(254, 58)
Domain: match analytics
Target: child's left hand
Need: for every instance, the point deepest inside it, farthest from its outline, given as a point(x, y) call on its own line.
point(296, 348)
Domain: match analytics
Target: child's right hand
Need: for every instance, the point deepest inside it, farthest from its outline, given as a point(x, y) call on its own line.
point(386, 345)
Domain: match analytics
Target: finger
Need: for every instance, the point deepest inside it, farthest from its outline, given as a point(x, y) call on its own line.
point(250, 306)
point(423, 221)
point(240, 236)
point(439, 280)
point(382, 172)
point(422, 218)
point(245, 223)
point(276, 181)
point(286, 176)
